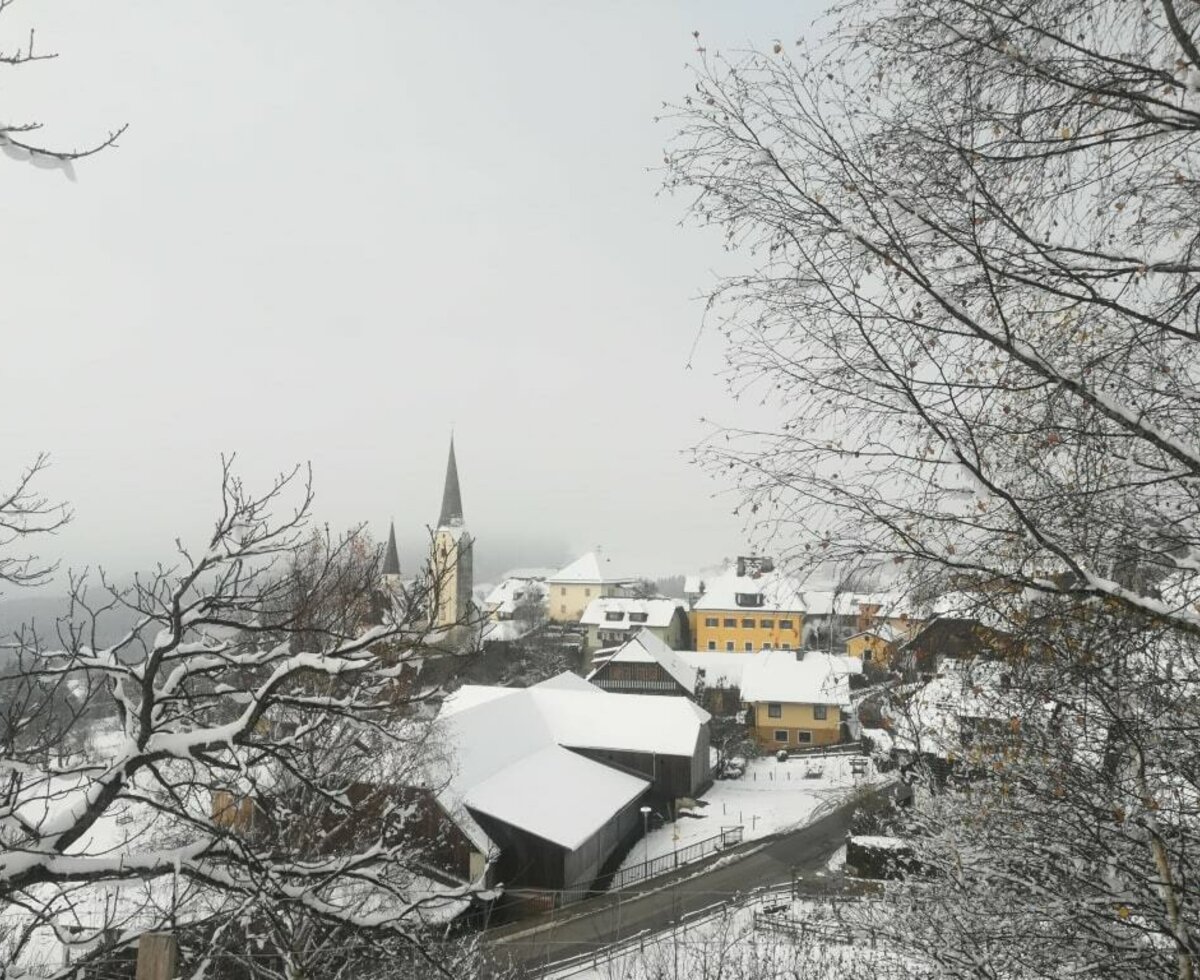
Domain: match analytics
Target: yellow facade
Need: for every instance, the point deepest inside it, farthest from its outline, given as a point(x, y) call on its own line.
point(746, 630)
point(871, 648)
point(568, 600)
point(799, 722)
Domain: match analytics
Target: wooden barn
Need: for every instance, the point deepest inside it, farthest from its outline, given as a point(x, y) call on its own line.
point(555, 774)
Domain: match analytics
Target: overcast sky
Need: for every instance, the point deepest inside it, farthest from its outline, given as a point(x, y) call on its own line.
point(333, 232)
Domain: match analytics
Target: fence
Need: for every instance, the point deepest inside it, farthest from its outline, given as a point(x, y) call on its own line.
point(728, 837)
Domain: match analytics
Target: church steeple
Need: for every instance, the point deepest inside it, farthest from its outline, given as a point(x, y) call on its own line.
point(391, 557)
point(452, 509)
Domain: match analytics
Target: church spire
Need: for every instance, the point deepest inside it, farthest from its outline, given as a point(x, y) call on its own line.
point(391, 557)
point(452, 515)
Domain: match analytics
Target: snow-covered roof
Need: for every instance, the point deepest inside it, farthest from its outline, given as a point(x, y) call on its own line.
point(776, 675)
point(658, 612)
point(557, 795)
point(720, 669)
point(505, 596)
point(498, 740)
point(566, 681)
point(884, 630)
point(780, 593)
point(583, 569)
point(693, 585)
point(645, 647)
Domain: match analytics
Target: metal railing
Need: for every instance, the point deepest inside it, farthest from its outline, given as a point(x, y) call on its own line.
point(728, 837)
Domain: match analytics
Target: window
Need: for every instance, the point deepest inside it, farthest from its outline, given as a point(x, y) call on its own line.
point(562, 609)
point(767, 624)
point(614, 617)
point(781, 735)
point(766, 646)
point(787, 646)
point(774, 710)
point(748, 598)
point(786, 624)
point(638, 617)
point(747, 624)
point(820, 712)
point(749, 647)
point(730, 623)
point(563, 590)
point(587, 592)
point(803, 738)
point(729, 645)
point(712, 644)
point(711, 621)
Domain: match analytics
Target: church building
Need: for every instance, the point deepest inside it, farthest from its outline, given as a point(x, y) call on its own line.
point(452, 562)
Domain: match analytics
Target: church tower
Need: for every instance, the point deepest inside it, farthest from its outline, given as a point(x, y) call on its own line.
point(452, 559)
point(391, 560)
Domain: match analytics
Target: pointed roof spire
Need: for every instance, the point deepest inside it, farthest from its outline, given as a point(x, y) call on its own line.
point(452, 510)
point(391, 557)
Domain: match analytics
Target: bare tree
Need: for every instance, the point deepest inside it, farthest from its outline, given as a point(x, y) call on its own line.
point(262, 771)
point(971, 320)
point(16, 141)
point(23, 514)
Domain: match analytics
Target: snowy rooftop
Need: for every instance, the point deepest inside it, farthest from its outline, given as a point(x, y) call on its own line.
point(557, 795)
point(779, 593)
point(644, 648)
point(776, 675)
point(493, 734)
point(505, 596)
point(615, 612)
point(719, 669)
point(585, 570)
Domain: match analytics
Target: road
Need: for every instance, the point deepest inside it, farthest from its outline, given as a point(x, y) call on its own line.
point(586, 926)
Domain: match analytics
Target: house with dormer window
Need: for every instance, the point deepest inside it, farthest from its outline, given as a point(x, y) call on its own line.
point(750, 608)
point(611, 620)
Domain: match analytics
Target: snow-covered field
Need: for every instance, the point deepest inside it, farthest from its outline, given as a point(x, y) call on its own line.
point(769, 938)
point(772, 797)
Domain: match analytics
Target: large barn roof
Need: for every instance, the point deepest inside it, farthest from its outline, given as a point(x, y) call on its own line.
point(509, 752)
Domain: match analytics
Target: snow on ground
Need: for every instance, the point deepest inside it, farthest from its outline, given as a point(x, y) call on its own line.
point(766, 938)
point(772, 797)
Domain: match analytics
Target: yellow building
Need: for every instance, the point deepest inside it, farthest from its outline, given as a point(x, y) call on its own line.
point(796, 703)
point(571, 589)
point(748, 609)
point(877, 645)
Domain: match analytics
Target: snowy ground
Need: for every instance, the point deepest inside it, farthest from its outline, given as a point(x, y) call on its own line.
point(772, 797)
point(769, 938)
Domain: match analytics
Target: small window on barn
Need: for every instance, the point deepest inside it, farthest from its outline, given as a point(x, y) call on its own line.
point(786, 624)
point(803, 737)
point(820, 712)
point(638, 617)
point(730, 623)
point(781, 735)
point(711, 621)
point(767, 624)
point(712, 644)
point(614, 617)
point(774, 711)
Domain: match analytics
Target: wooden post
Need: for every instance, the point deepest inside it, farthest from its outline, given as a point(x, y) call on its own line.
point(157, 956)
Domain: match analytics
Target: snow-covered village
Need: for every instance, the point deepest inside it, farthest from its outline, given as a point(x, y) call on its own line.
point(608, 491)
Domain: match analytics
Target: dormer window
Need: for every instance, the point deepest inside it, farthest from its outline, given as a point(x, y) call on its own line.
point(614, 617)
point(748, 598)
point(638, 617)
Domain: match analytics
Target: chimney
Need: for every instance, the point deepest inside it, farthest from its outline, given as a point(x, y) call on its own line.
point(741, 566)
